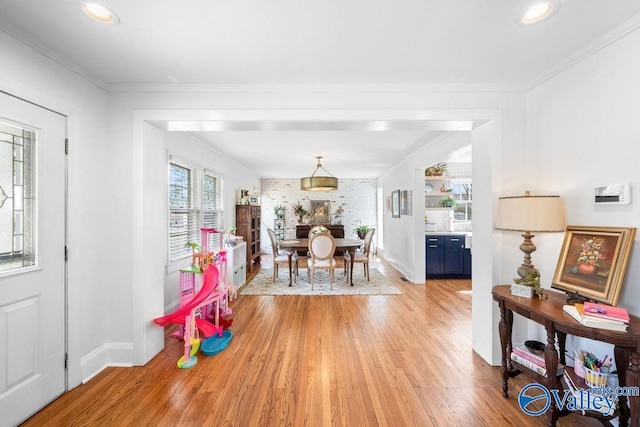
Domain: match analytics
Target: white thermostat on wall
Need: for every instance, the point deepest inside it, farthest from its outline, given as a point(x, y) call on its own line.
point(613, 194)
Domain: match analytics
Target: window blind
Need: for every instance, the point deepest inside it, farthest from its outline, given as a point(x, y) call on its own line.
point(195, 201)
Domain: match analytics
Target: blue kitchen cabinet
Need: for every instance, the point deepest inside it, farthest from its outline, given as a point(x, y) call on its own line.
point(446, 257)
point(454, 255)
point(434, 250)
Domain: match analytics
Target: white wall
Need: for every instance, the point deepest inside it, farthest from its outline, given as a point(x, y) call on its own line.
point(93, 235)
point(582, 134)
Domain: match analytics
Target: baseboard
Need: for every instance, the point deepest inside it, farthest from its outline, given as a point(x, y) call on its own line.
point(112, 354)
point(395, 264)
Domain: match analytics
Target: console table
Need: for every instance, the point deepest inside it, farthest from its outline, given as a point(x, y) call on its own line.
point(548, 312)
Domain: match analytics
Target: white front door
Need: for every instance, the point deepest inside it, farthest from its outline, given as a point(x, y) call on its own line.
point(32, 264)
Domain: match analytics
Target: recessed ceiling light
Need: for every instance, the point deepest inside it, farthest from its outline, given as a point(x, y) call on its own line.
point(100, 13)
point(537, 13)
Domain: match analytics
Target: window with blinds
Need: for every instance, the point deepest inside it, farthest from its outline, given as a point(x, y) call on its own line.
point(195, 201)
point(213, 213)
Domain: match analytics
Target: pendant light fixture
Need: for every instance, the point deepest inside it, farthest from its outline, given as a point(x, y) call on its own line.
point(318, 182)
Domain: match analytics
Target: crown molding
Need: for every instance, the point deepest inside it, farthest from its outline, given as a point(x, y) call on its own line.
point(314, 88)
point(600, 43)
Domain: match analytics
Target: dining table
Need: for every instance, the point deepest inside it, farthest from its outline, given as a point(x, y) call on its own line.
point(292, 246)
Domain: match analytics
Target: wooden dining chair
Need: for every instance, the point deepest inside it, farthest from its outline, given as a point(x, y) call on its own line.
point(316, 229)
point(361, 256)
point(322, 247)
point(280, 257)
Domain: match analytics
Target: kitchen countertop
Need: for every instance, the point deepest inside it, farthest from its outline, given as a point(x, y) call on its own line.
point(444, 233)
point(468, 235)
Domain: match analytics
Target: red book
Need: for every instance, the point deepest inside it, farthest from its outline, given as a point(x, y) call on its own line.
point(604, 311)
point(526, 354)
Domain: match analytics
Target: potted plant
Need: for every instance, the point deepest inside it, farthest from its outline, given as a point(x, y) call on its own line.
point(436, 170)
point(337, 215)
point(449, 202)
point(300, 212)
point(527, 286)
point(361, 230)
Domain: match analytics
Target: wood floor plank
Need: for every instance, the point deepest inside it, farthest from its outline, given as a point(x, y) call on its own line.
point(360, 360)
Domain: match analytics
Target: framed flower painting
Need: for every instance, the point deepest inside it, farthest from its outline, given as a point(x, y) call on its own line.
point(593, 262)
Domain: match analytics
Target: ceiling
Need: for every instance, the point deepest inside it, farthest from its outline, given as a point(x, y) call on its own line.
point(330, 43)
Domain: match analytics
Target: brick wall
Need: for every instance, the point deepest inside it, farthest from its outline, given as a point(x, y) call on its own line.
point(357, 197)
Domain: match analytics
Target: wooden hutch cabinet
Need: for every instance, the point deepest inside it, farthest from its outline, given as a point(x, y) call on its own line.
point(248, 224)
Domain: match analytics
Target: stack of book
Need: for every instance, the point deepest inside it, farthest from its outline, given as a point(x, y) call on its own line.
point(533, 361)
point(588, 400)
point(597, 315)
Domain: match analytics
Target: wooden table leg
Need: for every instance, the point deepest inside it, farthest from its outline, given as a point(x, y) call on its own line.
point(289, 256)
point(505, 327)
point(562, 340)
point(633, 380)
point(352, 252)
point(551, 363)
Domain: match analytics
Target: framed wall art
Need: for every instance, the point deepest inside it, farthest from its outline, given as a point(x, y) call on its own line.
point(593, 262)
point(395, 204)
point(405, 202)
point(320, 212)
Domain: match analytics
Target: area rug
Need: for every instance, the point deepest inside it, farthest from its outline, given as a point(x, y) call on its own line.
point(263, 284)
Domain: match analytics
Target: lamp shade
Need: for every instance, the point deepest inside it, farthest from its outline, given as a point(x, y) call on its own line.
point(319, 182)
point(530, 213)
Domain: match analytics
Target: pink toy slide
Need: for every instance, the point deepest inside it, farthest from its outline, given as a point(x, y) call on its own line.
point(210, 283)
point(185, 315)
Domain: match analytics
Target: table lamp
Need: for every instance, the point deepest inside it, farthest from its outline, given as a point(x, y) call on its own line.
point(529, 214)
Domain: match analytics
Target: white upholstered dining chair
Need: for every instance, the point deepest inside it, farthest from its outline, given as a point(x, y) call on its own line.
point(322, 246)
point(280, 257)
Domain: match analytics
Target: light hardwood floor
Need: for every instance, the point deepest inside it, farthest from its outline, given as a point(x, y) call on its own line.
point(396, 360)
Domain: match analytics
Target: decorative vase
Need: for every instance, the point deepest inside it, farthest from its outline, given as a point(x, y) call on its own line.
point(584, 268)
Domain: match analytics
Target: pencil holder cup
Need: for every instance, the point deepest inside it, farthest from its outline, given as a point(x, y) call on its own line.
point(594, 378)
point(578, 367)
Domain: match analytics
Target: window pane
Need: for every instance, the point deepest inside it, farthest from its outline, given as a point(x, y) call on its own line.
point(179, 187)
point(213, 215)
point(195, 200)
point(210, 192)
point(213, 219)
point(17, 197)
point(183, 229)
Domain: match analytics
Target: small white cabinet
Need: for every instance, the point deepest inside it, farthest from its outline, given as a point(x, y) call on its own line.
point(237, 264)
